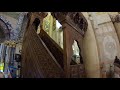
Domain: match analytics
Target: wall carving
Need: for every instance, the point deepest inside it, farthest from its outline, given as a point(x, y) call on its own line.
point(110, 48)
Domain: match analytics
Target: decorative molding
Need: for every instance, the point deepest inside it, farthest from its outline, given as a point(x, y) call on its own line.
point(115, 18)
point(6, 22)
point(79, 20)
point(75, 19)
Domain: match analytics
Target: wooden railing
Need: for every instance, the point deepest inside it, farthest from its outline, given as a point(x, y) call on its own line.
point(54, 48)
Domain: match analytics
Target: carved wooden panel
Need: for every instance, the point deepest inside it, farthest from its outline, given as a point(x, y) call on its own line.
point(77, 71)
point(75, 19)
point(74, 71)
point(69, 35)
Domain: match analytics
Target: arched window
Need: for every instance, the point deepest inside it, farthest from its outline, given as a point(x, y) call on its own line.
point(76, 57)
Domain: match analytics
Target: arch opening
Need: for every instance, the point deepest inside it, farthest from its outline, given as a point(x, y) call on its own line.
point(76, 57)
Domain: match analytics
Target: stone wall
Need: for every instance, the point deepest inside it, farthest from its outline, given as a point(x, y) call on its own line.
point(14, 21)
point(107, 40)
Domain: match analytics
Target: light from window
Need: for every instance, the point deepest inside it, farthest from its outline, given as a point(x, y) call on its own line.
point(58, 25)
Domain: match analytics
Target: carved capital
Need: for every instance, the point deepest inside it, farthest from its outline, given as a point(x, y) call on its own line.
point(115, 18)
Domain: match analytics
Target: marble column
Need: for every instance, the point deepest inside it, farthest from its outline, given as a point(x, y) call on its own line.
point(91, 57)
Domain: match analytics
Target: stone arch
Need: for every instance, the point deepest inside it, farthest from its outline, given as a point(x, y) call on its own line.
point(5, 29)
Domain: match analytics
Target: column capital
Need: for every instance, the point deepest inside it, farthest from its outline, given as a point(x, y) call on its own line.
point(115, 18)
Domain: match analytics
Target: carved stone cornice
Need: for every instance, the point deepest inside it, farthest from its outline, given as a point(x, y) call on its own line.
point(115, 18)
point(75, 19)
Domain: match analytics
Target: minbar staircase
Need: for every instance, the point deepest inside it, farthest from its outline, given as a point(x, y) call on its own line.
point(39, 61)
point(42, 57)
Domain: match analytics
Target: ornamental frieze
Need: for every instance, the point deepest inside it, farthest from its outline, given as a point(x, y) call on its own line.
point(76, 19)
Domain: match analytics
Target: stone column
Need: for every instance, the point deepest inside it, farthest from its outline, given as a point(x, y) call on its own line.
point(91, 58)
